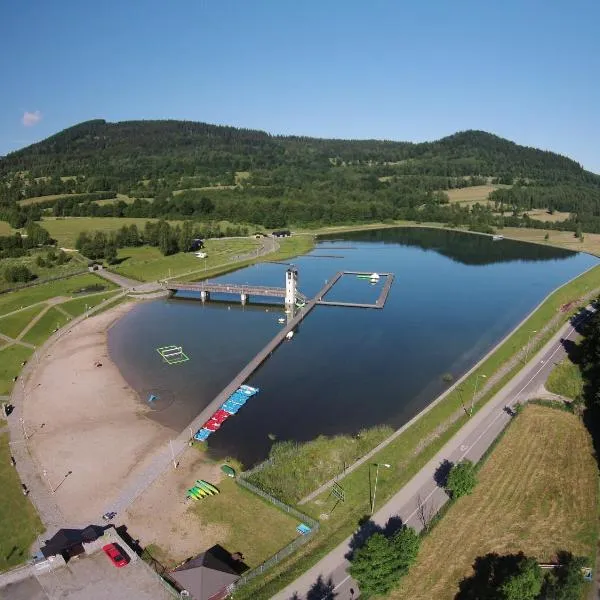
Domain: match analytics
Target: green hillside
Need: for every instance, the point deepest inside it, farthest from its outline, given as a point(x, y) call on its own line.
point(187, 170)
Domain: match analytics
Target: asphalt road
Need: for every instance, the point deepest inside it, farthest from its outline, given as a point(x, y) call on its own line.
point(418, 501)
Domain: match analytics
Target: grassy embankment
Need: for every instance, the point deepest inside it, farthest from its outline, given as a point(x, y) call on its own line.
point(148, 264)
point(19, 523)
point(407, 453)
point(546, 505)
point(566, 380)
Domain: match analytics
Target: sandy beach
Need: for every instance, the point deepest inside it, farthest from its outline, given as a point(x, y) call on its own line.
point(88, 431)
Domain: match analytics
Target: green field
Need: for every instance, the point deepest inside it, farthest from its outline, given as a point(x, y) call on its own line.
point(566, 380)
point(407, 453)
point(75, 265)
point(148, 264)
point(11, 358)
point(66, 230)
point(15, 323)
point(39, 199)
point(39, 293)
point(80, 305)
point(19, 523)
point(258, 530)
point(547, 504)
point(52, 320)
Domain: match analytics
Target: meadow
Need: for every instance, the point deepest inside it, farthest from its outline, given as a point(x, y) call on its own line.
point(546, 505)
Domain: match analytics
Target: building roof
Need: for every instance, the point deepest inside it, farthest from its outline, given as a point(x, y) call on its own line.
point(64, 539)
point(205, 576)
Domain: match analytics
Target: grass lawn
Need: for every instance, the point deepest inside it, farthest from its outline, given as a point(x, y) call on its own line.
point(5, 228)
point(255, 528)
point(65, 230)
point(565, 380)
point(39, 199)
point(39, 293)
point(547, 504)
point(148, 264)
point(80, 305)
point(14, 324)
point(11, 358)
point(52, 320)
point(543, 215)
point(19, 523)
point(406, 452)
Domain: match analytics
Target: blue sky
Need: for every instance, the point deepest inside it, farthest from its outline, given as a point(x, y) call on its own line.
point(528, 70)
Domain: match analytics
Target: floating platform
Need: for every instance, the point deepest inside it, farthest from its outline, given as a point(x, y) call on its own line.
point(173, 355)
point(230, 407)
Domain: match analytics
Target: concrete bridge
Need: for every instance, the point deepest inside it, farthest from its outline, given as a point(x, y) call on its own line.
point(289, 293)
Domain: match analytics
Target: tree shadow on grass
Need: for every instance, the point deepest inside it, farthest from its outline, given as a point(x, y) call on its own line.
point(490, 572)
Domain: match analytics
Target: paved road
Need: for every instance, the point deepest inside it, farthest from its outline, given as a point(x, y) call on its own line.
point(417, 502)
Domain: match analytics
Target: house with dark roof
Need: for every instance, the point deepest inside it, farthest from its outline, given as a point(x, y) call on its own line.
point(208, 576)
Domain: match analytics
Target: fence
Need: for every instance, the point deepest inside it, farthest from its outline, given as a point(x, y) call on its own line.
point(285, 551)
point(159, 571)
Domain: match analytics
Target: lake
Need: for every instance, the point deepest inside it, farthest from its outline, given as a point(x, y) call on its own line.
point(454, 296)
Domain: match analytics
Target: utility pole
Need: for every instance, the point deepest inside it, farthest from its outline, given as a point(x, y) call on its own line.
point(475, 392)
point(377, 465)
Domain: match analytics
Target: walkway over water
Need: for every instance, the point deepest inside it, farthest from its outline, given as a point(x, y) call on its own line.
point(230, 288)
point(379, 303)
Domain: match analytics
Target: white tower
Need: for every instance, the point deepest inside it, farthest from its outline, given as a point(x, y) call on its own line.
point(291, 286)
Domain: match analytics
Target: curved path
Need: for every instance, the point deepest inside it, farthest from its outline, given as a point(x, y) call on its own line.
point(420, 499)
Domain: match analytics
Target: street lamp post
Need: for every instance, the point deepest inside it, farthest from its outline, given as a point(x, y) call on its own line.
point(475, 392)
point(377, 465)
point(528, 342)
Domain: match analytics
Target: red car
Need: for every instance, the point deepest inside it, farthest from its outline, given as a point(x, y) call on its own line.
point(116, 555)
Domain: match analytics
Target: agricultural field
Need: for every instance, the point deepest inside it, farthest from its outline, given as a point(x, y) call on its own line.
point(39, 199)
point(148, 264)
point(546, 505)
point(471, 195)
point(65, 230)
point(5, 228)
point(540, 214)
point(19, 522)
point(563, 239)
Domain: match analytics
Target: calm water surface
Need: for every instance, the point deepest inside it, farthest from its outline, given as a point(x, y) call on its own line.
point(454, 296)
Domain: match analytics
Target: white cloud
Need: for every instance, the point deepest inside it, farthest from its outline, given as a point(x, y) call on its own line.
point(31, 118)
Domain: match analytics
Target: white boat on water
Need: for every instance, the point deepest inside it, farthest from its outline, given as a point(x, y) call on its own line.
point(289, 335)
point(497, 238)
point(281, 320)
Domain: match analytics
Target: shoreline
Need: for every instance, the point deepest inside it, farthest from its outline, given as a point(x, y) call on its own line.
point(88, 430)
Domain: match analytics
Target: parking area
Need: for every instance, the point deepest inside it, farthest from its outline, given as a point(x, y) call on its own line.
point(90, 578)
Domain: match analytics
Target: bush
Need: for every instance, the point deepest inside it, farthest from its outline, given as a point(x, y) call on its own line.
point(18, 273)
point(462, 479)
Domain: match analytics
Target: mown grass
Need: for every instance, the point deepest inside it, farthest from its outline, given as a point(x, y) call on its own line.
point(11, 358)
point(298, 469)
point(566, 380)
point(253, 527)
point(148, 264)
point(15, 323)
point(80, 305)
point(65, 230)
point(405, 453)
point(19, 522)
point(43, 329)
point(5, 228)
point(12, 301)
point(546, 505)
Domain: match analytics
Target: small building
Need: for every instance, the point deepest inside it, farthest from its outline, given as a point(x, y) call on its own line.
point(207, 576)
point(197, 244)
point(69, 542)
point(282, 233)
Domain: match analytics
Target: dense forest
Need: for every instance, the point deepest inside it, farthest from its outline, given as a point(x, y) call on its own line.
point(187, 170)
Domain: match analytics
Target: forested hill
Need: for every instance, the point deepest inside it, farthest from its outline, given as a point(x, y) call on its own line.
point(180, 169)
point(133, 150)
